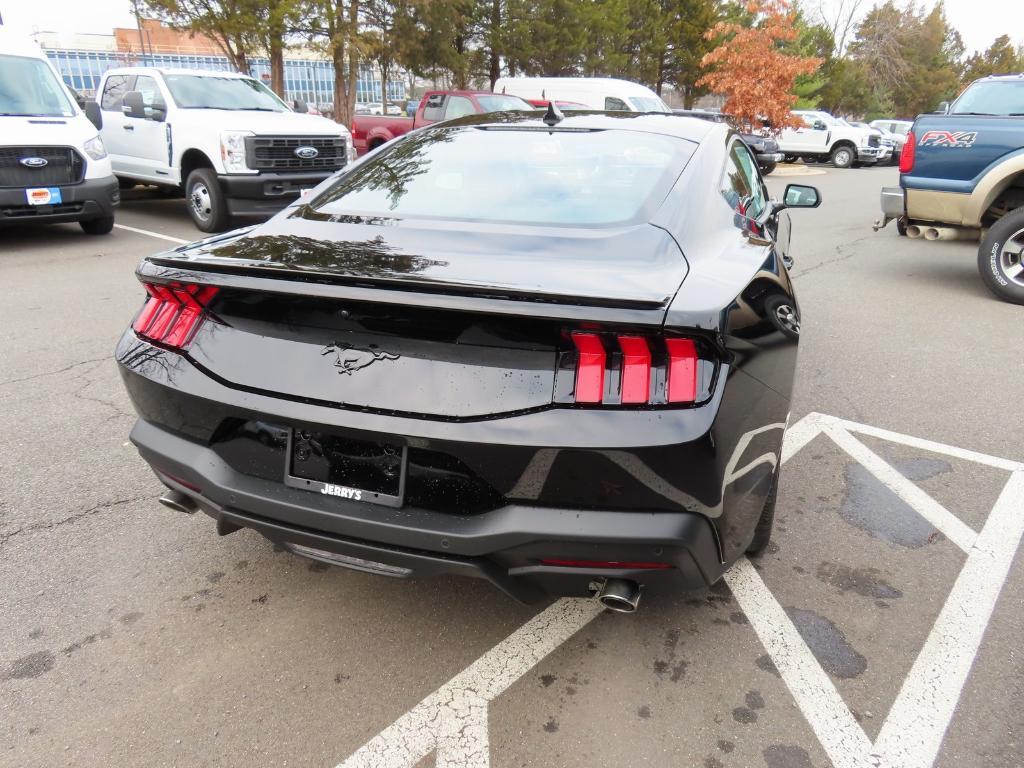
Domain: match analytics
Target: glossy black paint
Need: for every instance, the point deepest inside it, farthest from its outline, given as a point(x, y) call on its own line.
point(445, 338)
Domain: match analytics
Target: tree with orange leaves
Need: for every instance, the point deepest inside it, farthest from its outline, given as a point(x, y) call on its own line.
point(749, 68)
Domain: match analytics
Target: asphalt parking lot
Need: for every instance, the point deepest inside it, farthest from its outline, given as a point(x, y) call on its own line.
point(881, 629)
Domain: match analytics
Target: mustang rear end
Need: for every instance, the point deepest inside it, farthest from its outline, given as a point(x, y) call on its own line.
point(450, 362)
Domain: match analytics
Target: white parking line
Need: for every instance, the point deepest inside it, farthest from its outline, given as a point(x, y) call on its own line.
point(157, 235)
point(452, 721)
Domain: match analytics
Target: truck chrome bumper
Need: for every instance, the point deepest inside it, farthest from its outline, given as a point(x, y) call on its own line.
point(893, 200)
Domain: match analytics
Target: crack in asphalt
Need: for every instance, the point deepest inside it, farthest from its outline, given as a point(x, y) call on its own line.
point(65, 369)
point(839, 249)
point(73, 518)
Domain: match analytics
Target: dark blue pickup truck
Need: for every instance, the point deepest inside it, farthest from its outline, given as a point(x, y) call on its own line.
point(962, 178)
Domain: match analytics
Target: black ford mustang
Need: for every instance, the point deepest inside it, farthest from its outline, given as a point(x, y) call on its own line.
point(554, 353)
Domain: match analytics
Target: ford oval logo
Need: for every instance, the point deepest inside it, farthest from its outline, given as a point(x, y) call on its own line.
point(33, 162)
point(306, 153)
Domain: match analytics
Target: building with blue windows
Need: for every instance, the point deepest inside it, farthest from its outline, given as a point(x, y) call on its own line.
point(311, 80)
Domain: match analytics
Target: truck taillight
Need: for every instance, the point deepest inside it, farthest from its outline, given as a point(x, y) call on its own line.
point(907, 155)
point(628, 369)
point(173, 313)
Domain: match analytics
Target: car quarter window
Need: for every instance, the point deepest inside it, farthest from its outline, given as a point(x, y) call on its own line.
point(114, 90)
point(741, 184)
point(612, 104)
point(458, 106)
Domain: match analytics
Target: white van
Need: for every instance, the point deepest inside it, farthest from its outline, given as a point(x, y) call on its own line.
point(53, 165)
point(602, 93)
point(223, 139)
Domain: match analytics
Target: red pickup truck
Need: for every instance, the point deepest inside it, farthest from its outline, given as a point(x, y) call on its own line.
point(370, 131)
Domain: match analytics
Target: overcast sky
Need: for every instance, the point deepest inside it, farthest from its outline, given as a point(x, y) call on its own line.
point(979, 21)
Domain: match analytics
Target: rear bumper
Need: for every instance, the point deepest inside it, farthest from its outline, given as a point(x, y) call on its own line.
point(266, 193)
point(503, 546)
point(89, 199)
point(683, 488)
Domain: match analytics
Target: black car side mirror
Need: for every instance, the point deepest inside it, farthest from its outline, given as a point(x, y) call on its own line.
point(800, 196)
point(298, 105)
point(93, 113)
point(133, 106)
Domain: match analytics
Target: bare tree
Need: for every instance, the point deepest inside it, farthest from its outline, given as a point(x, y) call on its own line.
point(841, 17)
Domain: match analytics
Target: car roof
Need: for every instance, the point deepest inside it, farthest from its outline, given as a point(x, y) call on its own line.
point(1006, 77)
point(16, 44)
point(665, 123)
point(584, 83)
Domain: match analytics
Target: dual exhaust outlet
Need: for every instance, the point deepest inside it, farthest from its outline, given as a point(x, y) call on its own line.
point(915, 231)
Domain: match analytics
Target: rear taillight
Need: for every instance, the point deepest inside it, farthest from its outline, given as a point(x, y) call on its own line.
point(173, 312)
point(907, 155)
point(627, 369)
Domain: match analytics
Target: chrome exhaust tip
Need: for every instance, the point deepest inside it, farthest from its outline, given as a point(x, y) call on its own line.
point(619, 595)
point(914, 231)
point(179, 502)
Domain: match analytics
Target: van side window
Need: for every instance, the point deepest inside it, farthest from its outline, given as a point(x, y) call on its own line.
point(741, 184)
point(114, 90)
point(611, 104)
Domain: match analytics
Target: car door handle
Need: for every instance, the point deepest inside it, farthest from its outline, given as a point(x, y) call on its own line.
point(128, 127)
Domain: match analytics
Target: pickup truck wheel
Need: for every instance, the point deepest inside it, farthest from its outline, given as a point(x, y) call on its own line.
point(767, 168)
point(842, 157)
point(97, 226)
point(1001, 257)
point(206, 203)
point(789, 159)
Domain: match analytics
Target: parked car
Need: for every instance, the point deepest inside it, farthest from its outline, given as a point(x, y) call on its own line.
point(764, 147)
point(53, 164)
point(896, 130)
point(824, 138)
point(224, 139)
point(888, 145)
point(481, 351)
point(601, 93)
point(962, 178)
point(411, 106)
point(372, 131)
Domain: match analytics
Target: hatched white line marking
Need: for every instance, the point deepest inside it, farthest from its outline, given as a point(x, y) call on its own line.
point(453, 719)
point(952, 527)
point(912, 734)
point(157, 235)
point(826, 712)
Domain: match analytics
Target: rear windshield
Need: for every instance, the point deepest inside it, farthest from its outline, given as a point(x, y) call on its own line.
point(995, 97)
point(516, 175)
point(28, 87)
point(499, 102)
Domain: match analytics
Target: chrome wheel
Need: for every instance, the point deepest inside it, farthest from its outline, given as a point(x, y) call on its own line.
point(1011, 261)
point(842, 158)
point(199, 200)
point(787, 317)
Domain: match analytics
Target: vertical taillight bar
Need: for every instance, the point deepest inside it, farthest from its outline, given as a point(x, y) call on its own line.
point(682, 370)
point(907, 155)
point(636, 369)
point(589, 367)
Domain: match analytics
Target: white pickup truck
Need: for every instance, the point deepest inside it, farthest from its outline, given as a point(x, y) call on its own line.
point(824, 138)
point(223, 139)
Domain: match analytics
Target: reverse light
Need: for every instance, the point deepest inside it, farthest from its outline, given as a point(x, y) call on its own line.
point(627, 369)
point(173, 313)
point(907, 155)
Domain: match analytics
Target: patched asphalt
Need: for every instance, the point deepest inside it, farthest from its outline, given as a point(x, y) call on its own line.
point(131, 635)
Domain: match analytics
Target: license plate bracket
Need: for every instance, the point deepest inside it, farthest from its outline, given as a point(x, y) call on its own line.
point(346, 468)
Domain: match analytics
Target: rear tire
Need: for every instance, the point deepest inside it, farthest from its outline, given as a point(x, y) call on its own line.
point(843, 157)
point(97, 226)
point(789, 159)
point(1001, 257)
point(206, 203)
point(763, 530)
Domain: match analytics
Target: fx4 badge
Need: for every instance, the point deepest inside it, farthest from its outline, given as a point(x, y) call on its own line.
point(956, 139)
point(348, 359)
